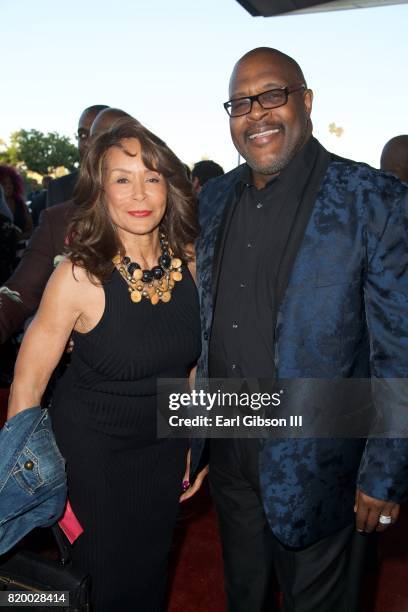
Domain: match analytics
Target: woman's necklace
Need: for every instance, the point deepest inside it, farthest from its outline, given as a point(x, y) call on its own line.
point(155, 284)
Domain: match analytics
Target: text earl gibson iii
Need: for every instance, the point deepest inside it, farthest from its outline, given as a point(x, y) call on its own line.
point(236, 421)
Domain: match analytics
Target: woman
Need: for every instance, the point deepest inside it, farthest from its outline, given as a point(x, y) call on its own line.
point(13, 186)
point(127, 293)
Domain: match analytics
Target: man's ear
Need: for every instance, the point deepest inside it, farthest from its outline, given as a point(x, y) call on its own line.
point(196, 185)
point(308, 99)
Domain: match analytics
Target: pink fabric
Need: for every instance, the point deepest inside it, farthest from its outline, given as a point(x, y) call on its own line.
point(70, 524)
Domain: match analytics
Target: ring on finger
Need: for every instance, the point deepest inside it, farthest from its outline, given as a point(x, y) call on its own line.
point(385, 520)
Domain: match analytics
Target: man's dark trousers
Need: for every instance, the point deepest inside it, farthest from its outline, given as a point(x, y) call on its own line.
point(323, 577)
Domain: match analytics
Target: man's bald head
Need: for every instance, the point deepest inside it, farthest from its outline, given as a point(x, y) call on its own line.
point(394, 157)
point(89, 113)
point(84, 125)
point(106, 119)
point(288, 64)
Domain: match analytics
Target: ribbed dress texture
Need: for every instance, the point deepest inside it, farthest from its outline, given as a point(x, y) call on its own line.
point(124, 483)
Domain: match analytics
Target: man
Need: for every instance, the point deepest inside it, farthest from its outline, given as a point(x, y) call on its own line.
point(302, 272)
point(22, 293)
point(394, 157)
point(38, 200)
point(61, 189)
point(203, 171)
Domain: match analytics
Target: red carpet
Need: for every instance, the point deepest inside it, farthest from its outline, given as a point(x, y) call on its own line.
point(196, 566)
point(196, 583)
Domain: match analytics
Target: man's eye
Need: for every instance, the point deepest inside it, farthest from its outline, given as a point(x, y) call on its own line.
point(273, 96)
point(239, 104)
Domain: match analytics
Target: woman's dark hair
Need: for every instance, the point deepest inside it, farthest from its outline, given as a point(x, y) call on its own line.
point(16, 180)
point(92, 237)
point(20, 212)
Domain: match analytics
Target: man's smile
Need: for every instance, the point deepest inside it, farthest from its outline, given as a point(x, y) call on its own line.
point(263, 135)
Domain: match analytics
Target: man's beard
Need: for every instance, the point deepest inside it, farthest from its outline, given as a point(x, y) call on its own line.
point(285, 156)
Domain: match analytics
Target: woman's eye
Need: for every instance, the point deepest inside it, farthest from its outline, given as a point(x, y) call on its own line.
point(122, 180)
point(153, 179)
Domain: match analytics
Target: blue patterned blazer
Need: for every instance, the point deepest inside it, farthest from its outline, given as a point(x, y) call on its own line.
point(344, 314)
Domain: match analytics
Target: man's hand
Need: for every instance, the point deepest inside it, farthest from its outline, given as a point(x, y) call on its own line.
point(368, 511)
point(197, 482)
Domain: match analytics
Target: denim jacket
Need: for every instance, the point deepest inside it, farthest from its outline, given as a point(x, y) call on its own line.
point(33, 485)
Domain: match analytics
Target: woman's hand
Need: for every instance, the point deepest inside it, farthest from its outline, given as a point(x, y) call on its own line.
point(191, 490)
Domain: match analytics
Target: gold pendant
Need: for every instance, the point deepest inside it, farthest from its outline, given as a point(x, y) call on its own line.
point(136, 296)
point(137, 274)
point(176, 276)
point(166, 297)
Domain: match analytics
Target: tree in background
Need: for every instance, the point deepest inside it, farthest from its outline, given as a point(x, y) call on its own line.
point(34, 151)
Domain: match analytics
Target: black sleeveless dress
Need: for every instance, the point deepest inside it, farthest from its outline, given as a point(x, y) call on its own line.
point(124, 483)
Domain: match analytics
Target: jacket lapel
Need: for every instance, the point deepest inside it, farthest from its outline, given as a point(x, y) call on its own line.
point(306, 202)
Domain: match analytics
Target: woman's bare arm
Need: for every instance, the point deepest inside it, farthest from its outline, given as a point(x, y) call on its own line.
point(46, 338)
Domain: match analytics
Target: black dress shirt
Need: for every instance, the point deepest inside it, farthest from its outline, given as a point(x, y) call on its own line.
point(242, 338)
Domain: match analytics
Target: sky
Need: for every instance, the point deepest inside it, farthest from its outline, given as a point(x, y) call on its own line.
point(168, 63)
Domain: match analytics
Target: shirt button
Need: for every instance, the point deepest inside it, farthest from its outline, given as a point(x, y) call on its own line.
point(234, 365)
point(234, 325)
point(205, 335)
point(259, 205)
point(242, 285)
point(249, 245)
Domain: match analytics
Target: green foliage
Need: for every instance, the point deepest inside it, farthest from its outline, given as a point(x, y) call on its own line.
point(38, 152)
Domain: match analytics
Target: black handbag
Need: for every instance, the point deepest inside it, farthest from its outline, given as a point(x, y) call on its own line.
point(30, 572)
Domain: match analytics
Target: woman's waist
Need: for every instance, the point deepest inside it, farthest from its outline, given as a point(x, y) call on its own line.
point(93, 384)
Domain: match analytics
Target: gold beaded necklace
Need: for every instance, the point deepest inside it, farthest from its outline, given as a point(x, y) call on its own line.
point(156, 284)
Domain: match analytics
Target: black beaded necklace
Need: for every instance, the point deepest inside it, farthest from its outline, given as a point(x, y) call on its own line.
point(155, 284)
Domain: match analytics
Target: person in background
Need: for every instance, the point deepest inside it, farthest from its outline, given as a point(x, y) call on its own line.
point(203, 171)
point(9, 236)
point(5, 211)
point(126, 290)
point(394, 157)
point(13, 187)
point(9, 239)
point(62, 188)
point(38, 200)
point(43, 252)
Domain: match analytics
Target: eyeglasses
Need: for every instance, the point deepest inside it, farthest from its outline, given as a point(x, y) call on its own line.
point(273, 98)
